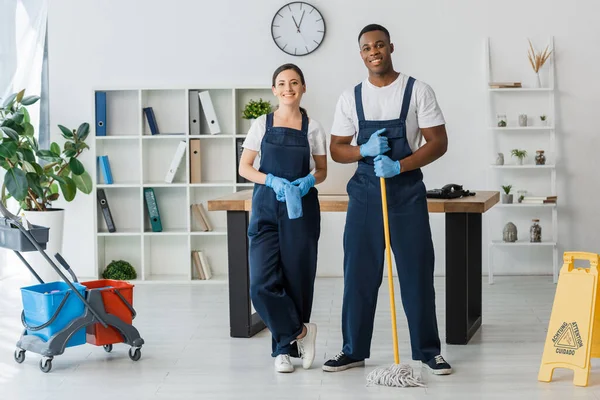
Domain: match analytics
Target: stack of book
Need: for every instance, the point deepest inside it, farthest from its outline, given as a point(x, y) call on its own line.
point(504, 85)
point(539, 200)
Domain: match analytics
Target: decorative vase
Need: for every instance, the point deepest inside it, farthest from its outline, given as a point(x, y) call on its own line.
point(509, 233)
point(519, 161)
point(53, 219)
point(507, 198)
point(540, 158)
point(500, 159)
point(538, 82)
point(522, 119)
point(501, 120)
point(535, 232)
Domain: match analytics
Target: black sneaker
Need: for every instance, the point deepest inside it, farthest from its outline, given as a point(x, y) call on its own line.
point(438, 366)
point(341, 362)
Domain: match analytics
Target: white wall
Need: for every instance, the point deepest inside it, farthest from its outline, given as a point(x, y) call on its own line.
point(98, 43)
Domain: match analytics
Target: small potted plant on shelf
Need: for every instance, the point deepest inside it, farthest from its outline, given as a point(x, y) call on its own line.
point(507, 197)
point(520, 154)
point(543, 119)
point(255, 108)
point(119, 270)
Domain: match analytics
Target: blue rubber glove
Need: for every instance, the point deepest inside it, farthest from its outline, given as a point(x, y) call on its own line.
point(278, 186)
point(305, 184)
point(376, 145)
point(385, 167)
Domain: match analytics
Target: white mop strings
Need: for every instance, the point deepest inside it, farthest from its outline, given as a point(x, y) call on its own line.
point(398, 375)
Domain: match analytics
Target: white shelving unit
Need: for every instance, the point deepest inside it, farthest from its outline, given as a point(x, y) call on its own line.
point(536, 180)
point(140, 160)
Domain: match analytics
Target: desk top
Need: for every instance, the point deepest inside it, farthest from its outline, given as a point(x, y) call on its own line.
point(480, 203)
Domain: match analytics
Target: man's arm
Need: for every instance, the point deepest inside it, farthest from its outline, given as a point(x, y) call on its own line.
point(436, 146)
point(342, 151)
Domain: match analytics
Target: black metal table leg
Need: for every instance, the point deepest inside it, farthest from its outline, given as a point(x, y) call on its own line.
point(463, 276)
point(242, 322)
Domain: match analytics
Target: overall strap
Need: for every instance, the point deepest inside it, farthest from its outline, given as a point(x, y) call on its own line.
point(406, 98)
point(358, 99)
point(269, 120)
point(304, 123)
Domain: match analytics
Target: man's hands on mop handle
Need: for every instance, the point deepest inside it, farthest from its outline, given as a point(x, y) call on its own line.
point(385, 167)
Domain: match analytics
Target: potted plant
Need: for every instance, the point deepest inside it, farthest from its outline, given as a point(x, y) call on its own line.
point(543, 119)
point(255, 108)
point(507, 197)
point(119, 270)
point(36, 177)
point(537, 61)
point(520, 154)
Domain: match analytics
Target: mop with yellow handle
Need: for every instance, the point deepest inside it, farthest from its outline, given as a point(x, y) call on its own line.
point(397, 375)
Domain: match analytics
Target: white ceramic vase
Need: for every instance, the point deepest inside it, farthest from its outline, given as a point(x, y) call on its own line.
point(53, 219)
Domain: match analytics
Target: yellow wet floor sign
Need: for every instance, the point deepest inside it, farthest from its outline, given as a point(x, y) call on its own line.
point(570, 342)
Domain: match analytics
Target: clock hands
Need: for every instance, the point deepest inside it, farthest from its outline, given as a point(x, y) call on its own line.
point(298, 24)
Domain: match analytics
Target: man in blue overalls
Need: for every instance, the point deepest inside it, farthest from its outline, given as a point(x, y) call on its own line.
point(387, 114)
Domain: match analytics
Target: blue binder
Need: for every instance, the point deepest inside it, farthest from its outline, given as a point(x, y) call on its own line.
point(152, 207)
point(151, 120)
point(100, 113)
point(104, 167)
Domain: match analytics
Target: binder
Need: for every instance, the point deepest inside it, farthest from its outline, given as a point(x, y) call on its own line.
point(104, 167)
point(151, 120)
point(209, 112)
point(194, 112)
point(176, 161)
point(100, 113)
point(152, 207)
point(240, 149)
point(195, 163)
point(103, 202)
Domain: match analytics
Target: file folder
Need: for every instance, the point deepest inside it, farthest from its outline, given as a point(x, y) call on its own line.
point(105, 169)
point(179, 153)
point(209, 112)
point(240, 149)
point(103, 202)
point(151, 120)
point(100, 113)
point(152, 207)
point(195, 162)
point(194, 112)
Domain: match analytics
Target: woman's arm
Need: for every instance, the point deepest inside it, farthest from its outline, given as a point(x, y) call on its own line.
point(247, 170)
point(320, 168)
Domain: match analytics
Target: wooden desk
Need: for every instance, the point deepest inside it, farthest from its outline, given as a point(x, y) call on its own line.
point(463, 259)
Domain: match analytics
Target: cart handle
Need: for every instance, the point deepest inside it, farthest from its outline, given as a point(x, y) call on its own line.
point(124, 300)
point(37, 328)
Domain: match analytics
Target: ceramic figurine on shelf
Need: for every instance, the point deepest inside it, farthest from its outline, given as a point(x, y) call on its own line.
point(522, 119)
point(500, 159)
point(540, 158)
point(509, 234)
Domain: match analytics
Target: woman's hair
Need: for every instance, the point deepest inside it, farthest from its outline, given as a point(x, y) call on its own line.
point(294, 67)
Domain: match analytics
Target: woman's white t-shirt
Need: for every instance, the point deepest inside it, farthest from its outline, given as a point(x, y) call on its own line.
point(385, 103)
point(317, 139)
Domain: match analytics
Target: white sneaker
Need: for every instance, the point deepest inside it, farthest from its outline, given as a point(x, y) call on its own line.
point(283, 363)
point(306, 345)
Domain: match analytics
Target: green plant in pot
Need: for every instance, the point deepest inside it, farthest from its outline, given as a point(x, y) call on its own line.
point(119, 270)
point(37, 177)
point(255, 108)
point(520, 154)
point(507, 197)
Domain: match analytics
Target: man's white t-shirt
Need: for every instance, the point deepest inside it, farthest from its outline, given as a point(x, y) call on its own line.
point(317, 138)
point(385, 103)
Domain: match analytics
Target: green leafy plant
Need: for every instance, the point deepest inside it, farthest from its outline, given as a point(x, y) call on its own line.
point(543, 117)
point(256, 108)
point(33, 175)
point(119, 270)
point(520, 154)
point(507, 188)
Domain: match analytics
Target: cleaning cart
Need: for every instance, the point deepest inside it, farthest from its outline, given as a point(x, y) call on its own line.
point(57, 315)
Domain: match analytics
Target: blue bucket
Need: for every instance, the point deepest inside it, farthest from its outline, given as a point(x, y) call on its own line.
point(41, 302)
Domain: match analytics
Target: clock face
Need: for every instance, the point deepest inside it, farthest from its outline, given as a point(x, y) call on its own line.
point(298, 28)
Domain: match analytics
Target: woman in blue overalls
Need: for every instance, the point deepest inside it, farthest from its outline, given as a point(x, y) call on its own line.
point(283, 250)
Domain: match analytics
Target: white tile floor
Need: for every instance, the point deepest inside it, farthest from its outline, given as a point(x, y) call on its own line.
point(189, 354)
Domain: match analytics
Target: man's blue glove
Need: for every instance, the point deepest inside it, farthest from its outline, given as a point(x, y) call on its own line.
point(305, 184)
point(376, 145)
point(385, 167)
point(278, 186)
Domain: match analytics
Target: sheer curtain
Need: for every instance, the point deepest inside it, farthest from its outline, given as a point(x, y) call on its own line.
point(23, 65)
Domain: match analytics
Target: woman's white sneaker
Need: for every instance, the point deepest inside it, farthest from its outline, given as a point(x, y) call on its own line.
point(306, 345)
point(283, 363)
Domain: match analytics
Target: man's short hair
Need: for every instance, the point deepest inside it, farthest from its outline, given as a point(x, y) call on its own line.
point(373, 27)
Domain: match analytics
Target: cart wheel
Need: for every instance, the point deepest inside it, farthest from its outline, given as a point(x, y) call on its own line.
point(46, 365)
point(19, 355)
point(135, 353)
point(108, 348)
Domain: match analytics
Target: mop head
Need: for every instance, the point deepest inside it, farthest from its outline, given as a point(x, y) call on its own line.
point(397, 375)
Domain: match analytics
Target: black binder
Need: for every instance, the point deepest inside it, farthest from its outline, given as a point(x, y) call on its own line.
point(106, 211)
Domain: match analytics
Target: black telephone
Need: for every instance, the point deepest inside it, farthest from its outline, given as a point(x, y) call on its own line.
point(449, 191)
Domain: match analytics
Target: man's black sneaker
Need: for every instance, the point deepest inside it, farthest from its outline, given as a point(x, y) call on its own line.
point(341, 362)
point(438, 366)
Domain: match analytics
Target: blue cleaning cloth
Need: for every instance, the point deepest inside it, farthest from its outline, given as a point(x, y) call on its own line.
point(293, 201)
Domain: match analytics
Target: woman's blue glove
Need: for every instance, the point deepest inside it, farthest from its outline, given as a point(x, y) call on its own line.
point(305, 184)
point(278, 186)
point(385, 167)
point(376, 145)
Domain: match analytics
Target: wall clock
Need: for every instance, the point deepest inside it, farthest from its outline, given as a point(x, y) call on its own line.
point(298, 28)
